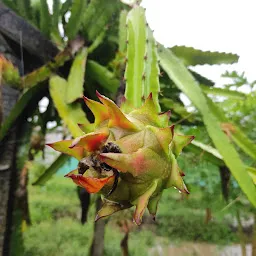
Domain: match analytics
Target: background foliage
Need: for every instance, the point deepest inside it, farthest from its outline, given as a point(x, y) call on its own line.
point(91, 37)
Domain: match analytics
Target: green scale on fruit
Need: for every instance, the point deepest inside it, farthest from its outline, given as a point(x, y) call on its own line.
point(130, 158)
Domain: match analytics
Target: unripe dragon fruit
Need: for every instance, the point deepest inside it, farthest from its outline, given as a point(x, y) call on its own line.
point(129, 157)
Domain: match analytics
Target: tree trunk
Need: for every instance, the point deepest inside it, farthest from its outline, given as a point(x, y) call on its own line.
point(7, 173)
point(254, 237)
point(225, 179)
point(241, 233)
point(124, 245)
point(208, 215)
point(22, 193)
point(97, 247)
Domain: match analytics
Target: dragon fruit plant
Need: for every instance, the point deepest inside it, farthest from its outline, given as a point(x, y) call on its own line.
point(129, 157)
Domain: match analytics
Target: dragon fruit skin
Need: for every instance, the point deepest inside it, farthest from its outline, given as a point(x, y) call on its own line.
point(146, 161)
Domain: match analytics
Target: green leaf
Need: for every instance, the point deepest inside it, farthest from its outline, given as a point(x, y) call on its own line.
point(136, 52)
point(206, 152)
point(55, 34)
point(192, 57)
point(71, 114)
point(102, 75)
point(18, 109)
point(223, 92)
point(75, 87)
point(252, 173)
point(236, 133)
point(77, 11)
point(45, 18)
point(49, 172)
point(186, 83)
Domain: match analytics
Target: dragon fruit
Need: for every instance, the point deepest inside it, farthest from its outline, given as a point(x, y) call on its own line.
point(129, 157)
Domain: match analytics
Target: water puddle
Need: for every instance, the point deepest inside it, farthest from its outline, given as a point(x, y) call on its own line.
point(198, 249)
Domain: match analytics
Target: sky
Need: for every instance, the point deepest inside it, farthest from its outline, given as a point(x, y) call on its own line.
point(220, 25)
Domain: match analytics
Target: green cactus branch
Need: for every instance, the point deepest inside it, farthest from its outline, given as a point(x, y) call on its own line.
point(77, 13)
point(102, 75)
point(44, 72)
point(192, 57)
point(135, 58)
point(75, 87)
point(71, 114)
point(98, 40)
point(45, 18)
point(142, 69)
point(9, 74)
point(122, 32)
point(152, 70)
point(97, 16)
point(223, 92)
